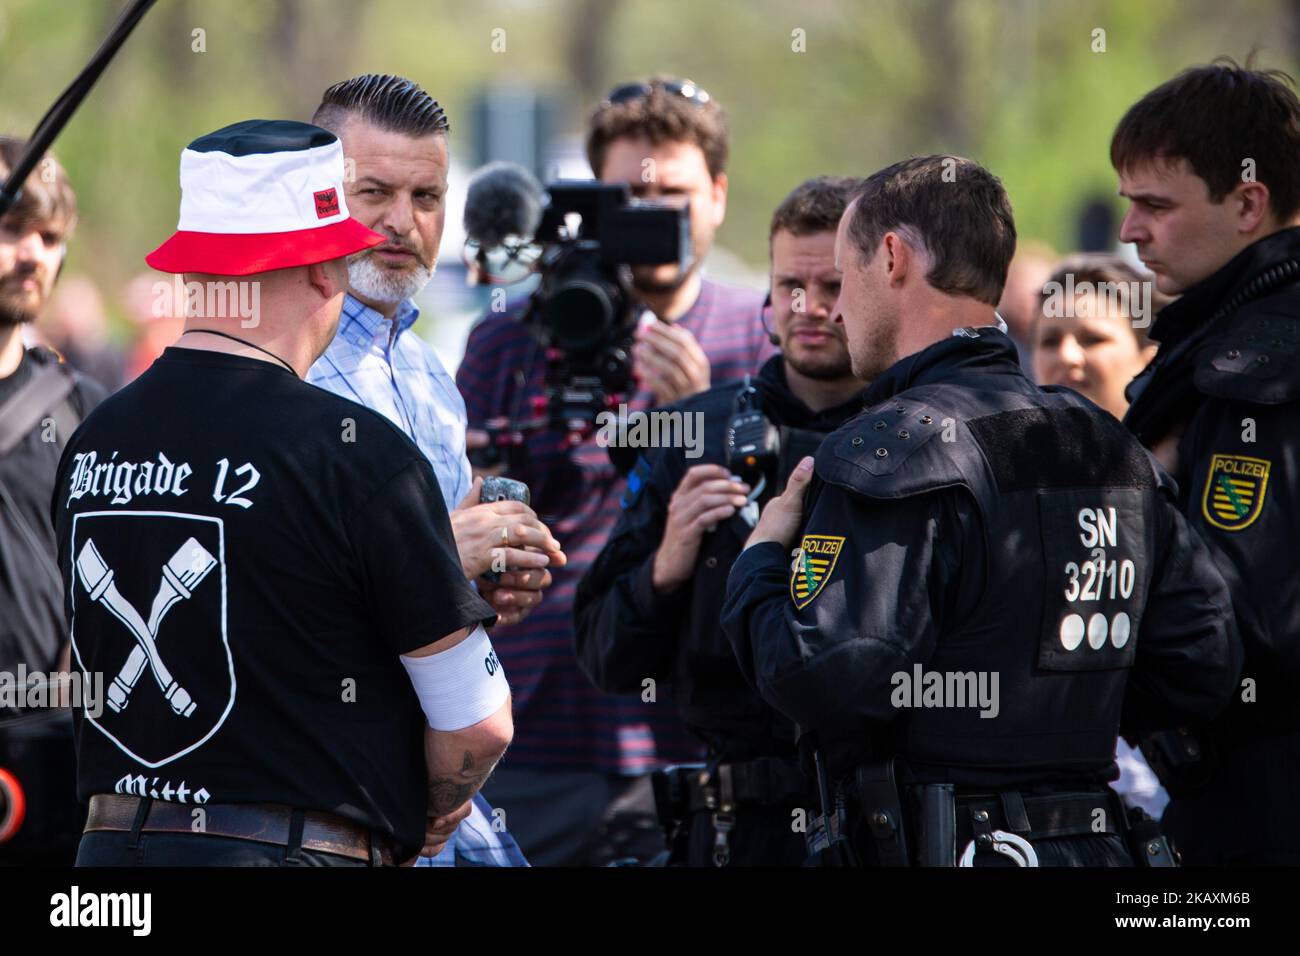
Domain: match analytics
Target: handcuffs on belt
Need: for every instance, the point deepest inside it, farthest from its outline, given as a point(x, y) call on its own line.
point(1013, 847)
point(1008, 844)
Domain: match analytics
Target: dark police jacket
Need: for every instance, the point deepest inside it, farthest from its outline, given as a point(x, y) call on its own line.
point(1014, 544)
point(627, 633)
point(1228, 372)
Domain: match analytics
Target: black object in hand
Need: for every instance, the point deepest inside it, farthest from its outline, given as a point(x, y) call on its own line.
point(502, 489)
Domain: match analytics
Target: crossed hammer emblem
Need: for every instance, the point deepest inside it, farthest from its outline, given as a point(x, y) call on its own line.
point(186, 569)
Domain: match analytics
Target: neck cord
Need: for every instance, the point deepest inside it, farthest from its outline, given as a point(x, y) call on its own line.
point(251, 345)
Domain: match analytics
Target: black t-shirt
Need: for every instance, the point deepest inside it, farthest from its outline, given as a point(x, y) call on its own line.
point(32, 628)
point(280, 546)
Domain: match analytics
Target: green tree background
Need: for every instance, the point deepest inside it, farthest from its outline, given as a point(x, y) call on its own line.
point(818, 86)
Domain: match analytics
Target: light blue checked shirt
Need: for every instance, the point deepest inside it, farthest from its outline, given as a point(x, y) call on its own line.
point(478, 842)
point(373, 362)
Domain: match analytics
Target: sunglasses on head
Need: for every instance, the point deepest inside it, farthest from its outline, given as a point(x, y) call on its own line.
point(636, 91)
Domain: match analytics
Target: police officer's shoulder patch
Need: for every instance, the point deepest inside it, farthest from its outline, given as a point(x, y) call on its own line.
point(890, 450)
point(812, 566)
point(1258, 358)
point(891, 432)
point(1234, 491)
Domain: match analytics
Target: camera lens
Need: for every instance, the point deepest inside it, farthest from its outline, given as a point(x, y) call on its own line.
point(581, 313)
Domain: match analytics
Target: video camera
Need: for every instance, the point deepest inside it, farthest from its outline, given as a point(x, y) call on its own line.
point(581, 239)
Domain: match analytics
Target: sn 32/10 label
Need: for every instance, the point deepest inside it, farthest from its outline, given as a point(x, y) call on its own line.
point(1096, 579)
point(1094, 552)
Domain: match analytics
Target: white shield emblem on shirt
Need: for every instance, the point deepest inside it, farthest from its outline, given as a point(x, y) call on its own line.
point(148, 597)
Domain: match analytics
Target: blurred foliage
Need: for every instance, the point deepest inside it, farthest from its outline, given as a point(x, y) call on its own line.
point(1015, 84)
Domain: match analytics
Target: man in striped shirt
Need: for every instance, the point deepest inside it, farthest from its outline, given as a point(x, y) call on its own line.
point(574, 785)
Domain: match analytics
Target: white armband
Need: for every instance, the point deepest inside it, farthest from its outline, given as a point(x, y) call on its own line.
point(460, 686)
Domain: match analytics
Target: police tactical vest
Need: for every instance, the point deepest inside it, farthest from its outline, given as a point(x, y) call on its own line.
point(1066, 501)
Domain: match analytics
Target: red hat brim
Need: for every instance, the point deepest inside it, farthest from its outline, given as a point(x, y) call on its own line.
point(225, 254)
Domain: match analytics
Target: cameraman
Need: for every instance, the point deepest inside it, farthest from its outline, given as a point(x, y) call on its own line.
point(41, 402)
point(579, 751)
point(650, 604)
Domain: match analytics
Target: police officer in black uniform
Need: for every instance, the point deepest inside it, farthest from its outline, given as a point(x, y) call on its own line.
point(991, 578)
point(1220, 405)
point(648, 608)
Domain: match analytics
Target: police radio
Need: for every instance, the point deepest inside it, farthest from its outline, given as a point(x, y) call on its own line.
point(753, 444)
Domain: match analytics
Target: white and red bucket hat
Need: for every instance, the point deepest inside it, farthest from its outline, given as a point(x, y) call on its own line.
point(261, 195)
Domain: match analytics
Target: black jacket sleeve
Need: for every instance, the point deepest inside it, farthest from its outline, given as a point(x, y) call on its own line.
point(1256, 556)
point(624, 630)
point(879, 611)
point(1188, 655)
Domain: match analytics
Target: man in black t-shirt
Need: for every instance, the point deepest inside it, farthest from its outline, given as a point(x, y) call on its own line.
point(264, 573)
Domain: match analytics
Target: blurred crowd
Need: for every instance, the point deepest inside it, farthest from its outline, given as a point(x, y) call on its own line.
point(77, 324)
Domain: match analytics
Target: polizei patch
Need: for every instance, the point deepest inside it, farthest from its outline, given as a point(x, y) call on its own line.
point(813, 566)
point(1234, 491)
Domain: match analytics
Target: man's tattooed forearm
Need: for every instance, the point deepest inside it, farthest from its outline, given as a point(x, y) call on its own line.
point(449, 791)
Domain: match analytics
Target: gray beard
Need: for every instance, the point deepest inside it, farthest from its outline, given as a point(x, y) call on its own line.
point(384, 285)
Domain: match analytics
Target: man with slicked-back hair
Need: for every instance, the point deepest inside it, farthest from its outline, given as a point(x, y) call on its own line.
point(394, 137)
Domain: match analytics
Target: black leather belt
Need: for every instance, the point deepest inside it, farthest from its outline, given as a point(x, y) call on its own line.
point(765, 781)
point(1042, 817)
point(258, 822)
